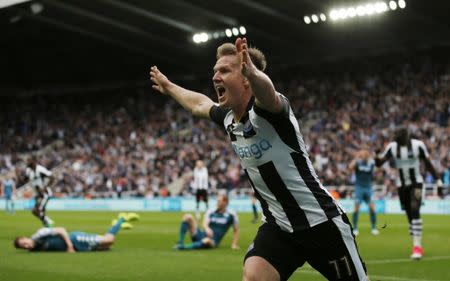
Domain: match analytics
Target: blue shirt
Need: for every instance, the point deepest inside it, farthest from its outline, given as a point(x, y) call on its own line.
point(364, 173)
point(221, 222)
point(8, 187)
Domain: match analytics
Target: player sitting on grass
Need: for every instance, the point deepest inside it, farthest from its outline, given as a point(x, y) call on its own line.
point(215, 224)
point(58, 239)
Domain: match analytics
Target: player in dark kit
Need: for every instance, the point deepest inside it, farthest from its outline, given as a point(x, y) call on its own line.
point(302, 222)
point(406, 153)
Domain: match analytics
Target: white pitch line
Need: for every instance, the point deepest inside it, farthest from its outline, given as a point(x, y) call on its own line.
point(436, 258)
point(309, 270)
point(382, 277)
point(371, 276)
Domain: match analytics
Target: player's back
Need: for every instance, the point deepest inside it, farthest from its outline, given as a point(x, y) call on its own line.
point(50, 244)
point(37, 175)
point(407, 160)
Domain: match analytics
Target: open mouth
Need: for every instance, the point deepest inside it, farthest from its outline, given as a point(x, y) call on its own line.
point(220, 91)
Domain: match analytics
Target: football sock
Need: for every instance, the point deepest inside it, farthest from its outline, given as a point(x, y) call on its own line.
point(355, 220)
point(416, 229)
point(116, 227)
point(191, 246)
point(183, 229)
point(373, 219)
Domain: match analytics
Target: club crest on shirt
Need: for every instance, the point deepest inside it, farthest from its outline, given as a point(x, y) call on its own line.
point(248, 130)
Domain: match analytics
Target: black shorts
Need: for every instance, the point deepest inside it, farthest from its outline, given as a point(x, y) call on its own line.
point(329, 247)
point(201, 195)
point(410, 196)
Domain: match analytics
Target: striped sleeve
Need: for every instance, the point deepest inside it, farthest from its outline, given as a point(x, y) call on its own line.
point(43, 232)
point(387, 153)
point(283, 113)
point(423, 152)
point(43, 171)
point(217, 114)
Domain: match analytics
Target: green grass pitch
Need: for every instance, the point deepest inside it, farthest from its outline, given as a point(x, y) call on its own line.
point(145, 252)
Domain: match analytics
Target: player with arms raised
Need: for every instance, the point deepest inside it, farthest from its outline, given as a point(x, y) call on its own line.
point(302, 222)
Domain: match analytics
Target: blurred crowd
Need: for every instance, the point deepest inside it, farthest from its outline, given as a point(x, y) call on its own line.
point(141, 144)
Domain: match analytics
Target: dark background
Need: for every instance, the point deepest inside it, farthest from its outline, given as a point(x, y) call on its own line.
point(109, 43)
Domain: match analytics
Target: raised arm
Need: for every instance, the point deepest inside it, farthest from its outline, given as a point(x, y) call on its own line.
point(196, 103)
point(352, 165)
point(262, 86)
point(381, 158)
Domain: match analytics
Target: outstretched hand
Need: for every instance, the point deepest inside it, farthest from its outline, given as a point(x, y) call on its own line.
point(160, 80)
point(246, 62)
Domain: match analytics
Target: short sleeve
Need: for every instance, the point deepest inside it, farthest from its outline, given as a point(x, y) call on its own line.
point(387, 153)
point(284, 113)
point(217, 114)
point(43, 171)
point(423, 152)
point(43, 232)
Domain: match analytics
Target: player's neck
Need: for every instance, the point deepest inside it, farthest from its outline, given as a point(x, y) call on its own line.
point(240, 110)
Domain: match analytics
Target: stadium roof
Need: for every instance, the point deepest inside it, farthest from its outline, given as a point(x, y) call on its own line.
point(88, 41)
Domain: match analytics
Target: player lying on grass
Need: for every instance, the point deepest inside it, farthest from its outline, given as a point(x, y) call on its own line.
point(58, 239)
point(215, 225)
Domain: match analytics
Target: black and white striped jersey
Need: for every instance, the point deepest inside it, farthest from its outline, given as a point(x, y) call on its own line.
point(274, 156)
point(407, 161)
point(37, 176)
point(200, 178)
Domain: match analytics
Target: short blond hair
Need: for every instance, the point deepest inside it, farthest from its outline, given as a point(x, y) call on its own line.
point(258, 57)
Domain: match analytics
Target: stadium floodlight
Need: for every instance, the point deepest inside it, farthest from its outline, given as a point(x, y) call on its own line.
point(351, 12)
point(216, 35)
point(242, 30)
point(361, 11)
point(228, 32)
point(7, 3)
point(200, 37)
point(342, 13)
point(364, 9)
point(333, 15)
point(306, 19)
point(315, 18)
point(235, 31)
point(204, 37)
point(370, 9)
point(393, 5)
point(380, 7)
point(196, 38)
